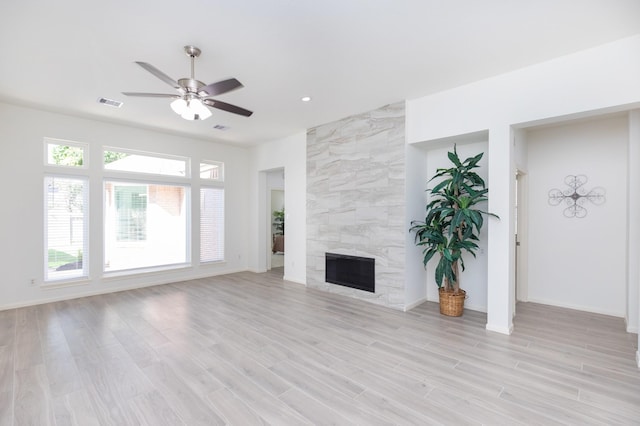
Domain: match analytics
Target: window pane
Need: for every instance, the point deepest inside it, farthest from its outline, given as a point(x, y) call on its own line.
point(60, 154)
point(144, 163)
point(145, 225)
point(213, 170)
point(211, 224)
point(66, 228)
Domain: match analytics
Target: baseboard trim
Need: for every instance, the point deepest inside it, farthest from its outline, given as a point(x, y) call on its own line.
point(109, 290)
point(415, 303)
point(294, 280)
point(501, 330)
point(576, 307)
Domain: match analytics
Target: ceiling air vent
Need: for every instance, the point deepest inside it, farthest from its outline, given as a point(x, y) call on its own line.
point(221, 127)
point(110, 102)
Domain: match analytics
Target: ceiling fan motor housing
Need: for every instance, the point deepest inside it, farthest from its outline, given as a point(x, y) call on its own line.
point(190, 85)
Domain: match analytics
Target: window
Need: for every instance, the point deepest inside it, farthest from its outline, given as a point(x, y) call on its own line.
point(213, 170)
point(66, 154)
point(211, 224)
point(145, 225)
point(129, 161)
point(66, 227)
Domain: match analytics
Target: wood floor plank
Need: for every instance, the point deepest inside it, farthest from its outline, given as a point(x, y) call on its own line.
point(251, 348)
point(152, 409)
point(74, 409)
point(190, 406)
point(8, 327)
point(27, 339)
point(33, 404)
point(315, 412)
point(233, 410)
point(6, 408)
point(347, 407)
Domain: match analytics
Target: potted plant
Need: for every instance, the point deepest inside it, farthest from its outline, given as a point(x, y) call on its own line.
point(452, 226)
point(278, 221)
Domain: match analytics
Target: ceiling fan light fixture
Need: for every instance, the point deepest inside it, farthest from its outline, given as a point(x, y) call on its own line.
point(179, 106)
point(190, 109)
point(194, 99)
point(200, 109)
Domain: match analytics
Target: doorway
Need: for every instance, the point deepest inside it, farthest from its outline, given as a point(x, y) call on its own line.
point(275, 221)
point(277, 228)
point(520, 218)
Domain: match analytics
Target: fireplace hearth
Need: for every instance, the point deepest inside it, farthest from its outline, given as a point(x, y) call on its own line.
point(350, 271)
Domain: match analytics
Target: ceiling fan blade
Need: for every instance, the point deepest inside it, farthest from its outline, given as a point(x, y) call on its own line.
point(221, 87)
point(150, 95)
point(227, 107)
point(162, 76)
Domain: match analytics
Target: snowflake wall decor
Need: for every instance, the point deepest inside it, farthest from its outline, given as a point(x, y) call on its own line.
point(575, 197)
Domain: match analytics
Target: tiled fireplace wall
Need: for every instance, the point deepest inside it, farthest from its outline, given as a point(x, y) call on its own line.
point(355, 199)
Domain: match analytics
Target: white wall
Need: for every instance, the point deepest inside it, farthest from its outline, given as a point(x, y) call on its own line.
point(288, 153)
point(590, 82)
point(633, 224)
point(21, 219)
point(415, 198)
point(579, 263)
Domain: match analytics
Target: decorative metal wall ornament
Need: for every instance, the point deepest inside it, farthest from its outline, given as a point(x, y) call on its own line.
point(576, 196)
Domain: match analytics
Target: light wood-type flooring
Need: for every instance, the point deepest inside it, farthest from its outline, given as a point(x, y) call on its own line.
point(248, 349)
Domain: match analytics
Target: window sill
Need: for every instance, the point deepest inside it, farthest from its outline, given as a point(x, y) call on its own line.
point(114, 275)
point(73, 282)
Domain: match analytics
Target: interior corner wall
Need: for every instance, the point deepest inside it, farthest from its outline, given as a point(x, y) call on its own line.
point(579, 263)
point(633, 225)
point(290, 154)
point(586, 83)
point(356, 200)
point(22, 133)
point(416, 199)
point(474, 278)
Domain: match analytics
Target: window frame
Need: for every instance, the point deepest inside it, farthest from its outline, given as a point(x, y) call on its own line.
point(220, 164)
point(215, 185)
point(62, 142)
point(67, 279)
point(187, 161)
point(129, 178)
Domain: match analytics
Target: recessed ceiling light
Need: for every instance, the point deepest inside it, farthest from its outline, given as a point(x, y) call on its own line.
point(306, 99)
point(110, 102)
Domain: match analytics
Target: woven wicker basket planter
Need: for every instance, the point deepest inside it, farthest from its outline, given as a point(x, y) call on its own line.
point(452, 305)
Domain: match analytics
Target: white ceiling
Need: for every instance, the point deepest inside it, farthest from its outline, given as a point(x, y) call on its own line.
point(351, 56)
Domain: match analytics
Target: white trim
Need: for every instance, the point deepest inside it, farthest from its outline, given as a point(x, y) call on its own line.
point(638, 358)
point(630, 328)
point(293, 280)
point(415, 303)
point(61, 142)
point(174, 280)
point(576, 307)
point(501, 330)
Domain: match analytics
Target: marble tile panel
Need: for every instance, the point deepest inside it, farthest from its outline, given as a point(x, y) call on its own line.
point(355, 165)
point(377, 177)
point(355, 195)
point(372, 215)
point(342, 217)
point(342, 181)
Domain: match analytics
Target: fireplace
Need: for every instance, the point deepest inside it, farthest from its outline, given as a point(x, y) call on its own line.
point(350, 271)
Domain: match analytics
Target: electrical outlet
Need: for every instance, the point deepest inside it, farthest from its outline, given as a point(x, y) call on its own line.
point(33, 281)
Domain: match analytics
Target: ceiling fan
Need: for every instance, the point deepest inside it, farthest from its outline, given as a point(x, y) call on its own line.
point(193, 96)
